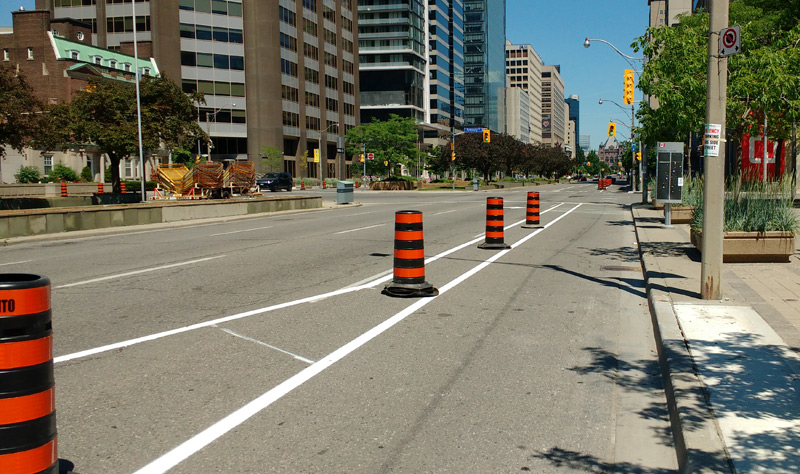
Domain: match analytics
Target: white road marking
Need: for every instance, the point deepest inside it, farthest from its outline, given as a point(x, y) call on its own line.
point(370, 283)
point(137, 272)
point(360, 228)
point(444, 212)
point(240, 231)
point(246, 338)
point(16, 263)
point(218, 429)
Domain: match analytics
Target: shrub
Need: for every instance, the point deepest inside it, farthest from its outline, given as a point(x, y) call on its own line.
point(86, 175)
point(61, 172)
point(27, 174)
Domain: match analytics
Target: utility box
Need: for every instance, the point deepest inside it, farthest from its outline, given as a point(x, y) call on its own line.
point(344, 192)
point(669, 173)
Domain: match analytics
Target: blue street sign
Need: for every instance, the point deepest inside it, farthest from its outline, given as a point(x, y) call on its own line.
point(634, 146)
point(473, 130)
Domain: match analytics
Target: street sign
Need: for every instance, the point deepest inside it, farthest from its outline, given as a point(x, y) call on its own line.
point(340, 150)
point(712, 140)
point(316, 155)
point(634, 146)
point(370, 156)
point(473, 130)
point(730, 41)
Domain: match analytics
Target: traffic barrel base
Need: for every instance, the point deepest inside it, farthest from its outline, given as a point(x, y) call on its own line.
point(408, 280)
point(495, 237)
point(28, 438)
point(532, 213)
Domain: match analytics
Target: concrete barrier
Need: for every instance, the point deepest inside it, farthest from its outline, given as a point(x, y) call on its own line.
point(21, 223)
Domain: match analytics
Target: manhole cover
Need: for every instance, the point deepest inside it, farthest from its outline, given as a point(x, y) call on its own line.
point(613, 268)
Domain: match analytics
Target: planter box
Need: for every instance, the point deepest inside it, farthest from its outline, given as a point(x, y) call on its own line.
point(771, 246)
point(681, 214)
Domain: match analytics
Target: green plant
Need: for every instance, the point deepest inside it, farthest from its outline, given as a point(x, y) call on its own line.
point(62, 172)
point(134, 186)
point(754, 206)
point(27, 174)
point(86, 175)
point(692, 191)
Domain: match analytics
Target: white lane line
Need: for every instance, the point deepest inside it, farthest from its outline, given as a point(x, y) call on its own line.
point(361, 228)
point(138, 272)
point(16, 263)
point(218, 429)
point(366, 285)
point(444, 212)
point(240, 231)
point(246, 338)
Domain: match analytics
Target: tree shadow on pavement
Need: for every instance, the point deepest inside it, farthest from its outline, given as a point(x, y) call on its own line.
point(671, 249)
point(626, 254)
point(616, 282)
point(587, 463)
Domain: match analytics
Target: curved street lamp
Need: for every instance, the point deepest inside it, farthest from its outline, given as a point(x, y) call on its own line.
point(588, 42)
point(609, 100)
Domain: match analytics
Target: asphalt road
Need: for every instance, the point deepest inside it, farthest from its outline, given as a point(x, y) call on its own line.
point(265, 345)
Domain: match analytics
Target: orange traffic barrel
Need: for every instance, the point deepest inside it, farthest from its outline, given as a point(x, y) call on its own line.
point(324, 184)
point(302, 185)
point(409, 258)
point(28, 442)
point(532, 213)
point(63, 189)
point(123, 188)
point(99, 188)
point(495, 238)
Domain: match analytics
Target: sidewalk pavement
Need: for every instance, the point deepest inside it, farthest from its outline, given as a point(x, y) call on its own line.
point(731, 368)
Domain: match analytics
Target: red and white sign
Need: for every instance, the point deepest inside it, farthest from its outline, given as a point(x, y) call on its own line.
point(729, 41)
point(370, 156)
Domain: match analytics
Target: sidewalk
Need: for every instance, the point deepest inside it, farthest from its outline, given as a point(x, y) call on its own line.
point(731, 368)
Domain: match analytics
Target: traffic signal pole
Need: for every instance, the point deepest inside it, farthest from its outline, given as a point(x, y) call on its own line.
point(714, 157)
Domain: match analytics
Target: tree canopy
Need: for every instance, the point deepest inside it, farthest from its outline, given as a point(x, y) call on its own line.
point(393, 141)
point(763, 79)
point(20, 111)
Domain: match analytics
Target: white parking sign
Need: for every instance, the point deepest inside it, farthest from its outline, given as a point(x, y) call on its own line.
point(730, 41)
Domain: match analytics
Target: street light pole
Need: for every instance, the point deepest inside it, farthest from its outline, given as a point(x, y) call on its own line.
point(714, 163)
point(323, 142)
point(138, 100)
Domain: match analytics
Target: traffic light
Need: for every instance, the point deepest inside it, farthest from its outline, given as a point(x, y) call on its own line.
point(361, 157)
point(612, 129)
point(453, 156)
point(629, 86)
point(638, 156)
point(487, 135)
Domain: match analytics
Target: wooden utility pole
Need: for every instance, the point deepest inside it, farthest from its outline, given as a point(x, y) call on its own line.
point(714, 156)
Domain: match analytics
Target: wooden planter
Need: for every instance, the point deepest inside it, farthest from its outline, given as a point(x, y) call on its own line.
point(681, 214)
point(400, 185)
point(770, 246)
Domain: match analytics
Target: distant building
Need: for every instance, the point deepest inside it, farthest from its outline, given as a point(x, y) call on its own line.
point(57, 58)
point(484, 63)
point(665, 12)
point(610, 152)
point(518, 106)
point(554, 109)
point(524, 71)
point(584, 141)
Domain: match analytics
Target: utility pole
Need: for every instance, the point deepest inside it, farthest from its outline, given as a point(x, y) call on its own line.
point(714, 157)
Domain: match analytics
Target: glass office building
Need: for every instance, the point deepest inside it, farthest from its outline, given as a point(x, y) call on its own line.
point(446, 63)
point(484, 62)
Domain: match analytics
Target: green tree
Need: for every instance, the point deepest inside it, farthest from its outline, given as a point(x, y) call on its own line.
point(86, 175)
point(27, 174)
point(61, 172)
point(272, 158)
point(105, 114)
point(393, 141)
point(20, 118)
point(473, 153)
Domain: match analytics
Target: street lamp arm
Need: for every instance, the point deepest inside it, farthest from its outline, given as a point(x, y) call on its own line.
point(587, 43)
point(621, 107)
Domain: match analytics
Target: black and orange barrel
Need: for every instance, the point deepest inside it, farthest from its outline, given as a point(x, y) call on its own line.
point(64, 189)
point(532, 212)
point(28, 442)
point(99, 188)
point(409, 258)
point(495, 237)
point(123, 188)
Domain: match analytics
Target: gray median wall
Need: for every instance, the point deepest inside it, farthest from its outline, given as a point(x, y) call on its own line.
point(21, 223)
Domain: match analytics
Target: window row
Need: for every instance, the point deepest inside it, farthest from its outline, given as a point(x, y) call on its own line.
point(216, 33)
point(124, 24)
point(232, 89)
point(287, 16)
point(222, 116)
point(288, 42)
point(218, 61)
point(220, 7)
point(73, 3)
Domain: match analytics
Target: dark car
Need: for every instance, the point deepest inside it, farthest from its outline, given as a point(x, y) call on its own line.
point(275, 182)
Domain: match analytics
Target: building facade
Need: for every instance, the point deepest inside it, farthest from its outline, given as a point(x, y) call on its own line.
point(57, 59)
point(484, 63)
point(446, 64)
point(610, 151)
point(280, 74)
point(665, 12)
point(554, 110)
point(524, 71)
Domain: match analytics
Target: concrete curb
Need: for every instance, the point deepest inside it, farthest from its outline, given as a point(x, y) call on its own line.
point(698, 441)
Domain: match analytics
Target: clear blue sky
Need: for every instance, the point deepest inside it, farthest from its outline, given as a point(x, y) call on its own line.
point(556, 29)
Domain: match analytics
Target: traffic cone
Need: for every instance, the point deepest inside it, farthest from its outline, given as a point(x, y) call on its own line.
point(532, 214)
point(408, 280)
point(494, 225)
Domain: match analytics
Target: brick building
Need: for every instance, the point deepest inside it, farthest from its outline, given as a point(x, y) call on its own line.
point(57, 58)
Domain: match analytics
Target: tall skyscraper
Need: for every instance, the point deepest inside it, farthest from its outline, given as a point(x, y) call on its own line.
point(524, 71)
point(484, 62)
point(393, 59)
point(574, 111)
point(554, 109)
point(279, 74)
point(446, 63)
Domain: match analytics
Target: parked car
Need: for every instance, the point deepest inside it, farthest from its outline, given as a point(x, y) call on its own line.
point(275, 182)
